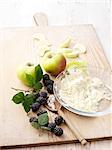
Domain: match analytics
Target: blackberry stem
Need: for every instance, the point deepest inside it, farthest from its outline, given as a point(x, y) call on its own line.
point(46, 128)
point(21, 90)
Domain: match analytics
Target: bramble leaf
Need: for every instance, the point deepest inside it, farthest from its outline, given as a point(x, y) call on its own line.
point(38, 73)
point(43, 119)
point(30, 80)
point(38, 86)
point(18, 98)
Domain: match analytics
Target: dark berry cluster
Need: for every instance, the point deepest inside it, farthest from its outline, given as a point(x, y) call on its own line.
point(50, 126)
point(48, 83)
point(59, 120)
point(41, 99)
point(53, 128)
point(58, 131)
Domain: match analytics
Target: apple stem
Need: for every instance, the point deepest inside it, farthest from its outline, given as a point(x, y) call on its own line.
point(29, 64)
point(21, 90)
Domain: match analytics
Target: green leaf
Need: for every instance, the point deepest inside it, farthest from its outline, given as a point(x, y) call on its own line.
point(43, 119)
point(29, 100)
point(18, 98)
point(36, 125)
point(38, 86)
point(30, 80)
point(38, 73)
point(26, 106)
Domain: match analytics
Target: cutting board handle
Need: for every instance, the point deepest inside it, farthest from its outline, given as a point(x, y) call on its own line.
point(40, 19)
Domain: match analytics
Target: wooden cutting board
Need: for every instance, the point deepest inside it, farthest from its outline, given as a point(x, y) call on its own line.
point(16, 47)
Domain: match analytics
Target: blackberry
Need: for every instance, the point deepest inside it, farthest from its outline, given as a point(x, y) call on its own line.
point(58, 120)
point(50, 89)
point(36, 95)
point(42, 100)
point(33, 119)
point(39, 99)
point(51, 126)
point(43, 94)
point(48, 82)
point(46, 77)
point(41, 112)
point(35, 106)
point(58, 131)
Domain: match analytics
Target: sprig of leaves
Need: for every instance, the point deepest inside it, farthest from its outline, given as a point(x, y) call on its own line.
point(42, 120)
point(18, 98)
point(38, 73)
point(29, 100)
point(30, 79)
point(25, 100)
point(37, 86)
point(34, 82)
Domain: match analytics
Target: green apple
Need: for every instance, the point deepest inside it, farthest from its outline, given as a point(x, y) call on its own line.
point(25, 69)
point(54, 63)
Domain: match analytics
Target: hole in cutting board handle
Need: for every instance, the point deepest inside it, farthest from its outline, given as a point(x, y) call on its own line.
point(40, 19)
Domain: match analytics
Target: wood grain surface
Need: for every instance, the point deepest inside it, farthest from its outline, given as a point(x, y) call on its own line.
point(16, 47)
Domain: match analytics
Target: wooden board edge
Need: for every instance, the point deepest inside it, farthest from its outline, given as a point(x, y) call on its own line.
point(53, 143)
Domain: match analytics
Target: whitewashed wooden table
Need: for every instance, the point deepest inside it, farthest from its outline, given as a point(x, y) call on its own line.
point(62, 12)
